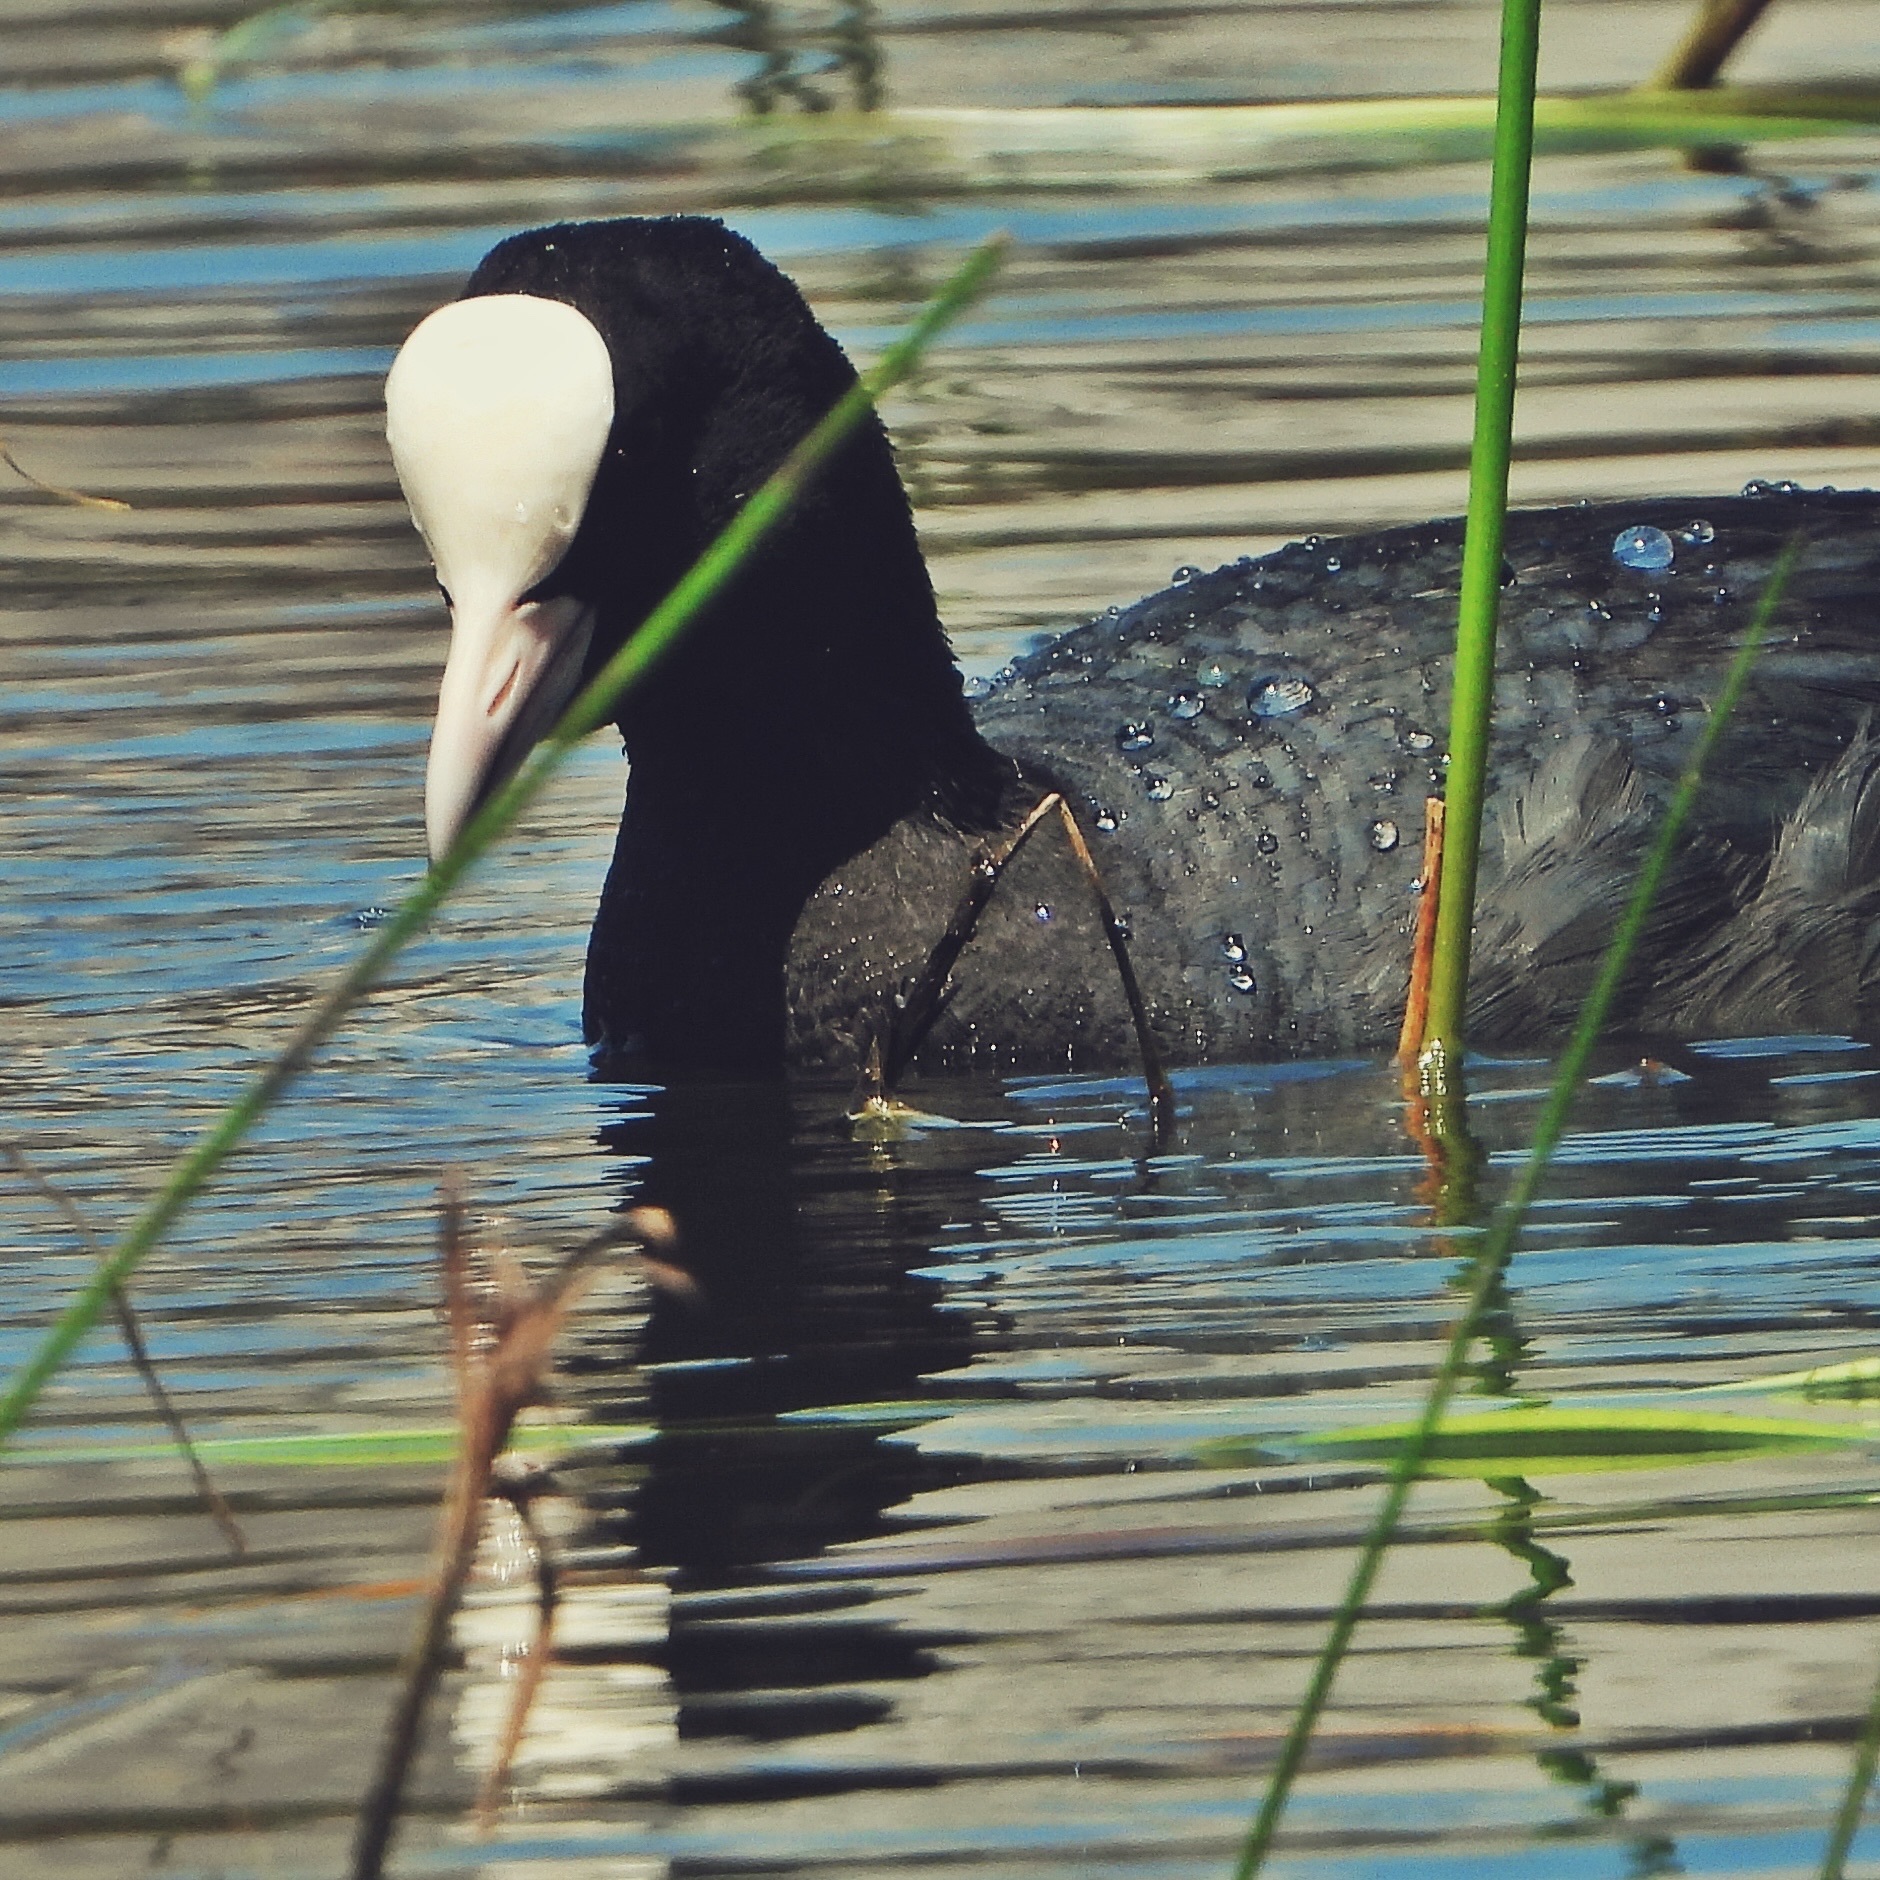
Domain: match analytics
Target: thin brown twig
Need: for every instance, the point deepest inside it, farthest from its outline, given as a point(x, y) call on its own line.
point(923, 1002)
point(55, 489)
point(502, 1331)
point(1416, 1009)
point(1714, 34)
point(133, 1335)
point(1161, 1094)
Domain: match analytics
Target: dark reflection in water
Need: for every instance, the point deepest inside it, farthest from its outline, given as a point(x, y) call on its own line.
point(1547, 1645)
point(1014, 1606)
point(818, 68)
point(1503, 1351)
point(797, 1242)
point(795, 1245)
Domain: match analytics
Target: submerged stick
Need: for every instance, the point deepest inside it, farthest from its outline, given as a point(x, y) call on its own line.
point(1498, 1242)
point(591, 708)
point(1472, 698)
point(132, 1333)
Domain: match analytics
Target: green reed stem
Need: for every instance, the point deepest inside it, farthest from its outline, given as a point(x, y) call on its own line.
point(591, 708)
point(1491, 1260)
point(1472, 700)
point(1859, 1781)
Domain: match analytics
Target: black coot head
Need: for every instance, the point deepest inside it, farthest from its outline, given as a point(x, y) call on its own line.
point(575, 431)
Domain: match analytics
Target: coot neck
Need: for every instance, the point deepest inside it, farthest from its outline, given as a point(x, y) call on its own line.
point(804, 716)
point(810, 707)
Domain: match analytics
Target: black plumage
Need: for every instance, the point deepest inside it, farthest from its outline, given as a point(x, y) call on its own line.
point(1247, 752)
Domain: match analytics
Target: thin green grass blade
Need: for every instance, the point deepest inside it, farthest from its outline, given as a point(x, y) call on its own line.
point(256, 37)
point(961, 151)
point(589, 710)
point(1859, 1783)
point(1857, 1378)
point(335, 1449)
point(1569, 1439)
point(1472, 697)
point(1498, 1242)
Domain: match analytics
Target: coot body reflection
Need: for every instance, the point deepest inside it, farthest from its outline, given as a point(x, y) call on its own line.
point(1247, 751)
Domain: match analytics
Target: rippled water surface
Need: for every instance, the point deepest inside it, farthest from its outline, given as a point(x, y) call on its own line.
point(904, 1557)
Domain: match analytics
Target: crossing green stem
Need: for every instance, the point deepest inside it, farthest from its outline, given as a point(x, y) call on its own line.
point(1473, 697)
point(592, 708)
point(1491, 1261)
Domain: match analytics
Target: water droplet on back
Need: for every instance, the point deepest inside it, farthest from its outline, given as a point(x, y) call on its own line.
point(1106, 819)
point(1267, 842)
point(1183, 575)
point(1384, 836)
point(1134, 736)
point(1186, 705)
point(1158, 787)
point(1420, 740)
point(1233, 948)
point(1280, 698)
point(978, 686)
point(1642, 547)
point(1698, 533)
point(1212, 673)
point(1042, 911)
point(1241, 980)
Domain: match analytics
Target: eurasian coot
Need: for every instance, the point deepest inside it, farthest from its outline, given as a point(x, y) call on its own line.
point(1247, 752)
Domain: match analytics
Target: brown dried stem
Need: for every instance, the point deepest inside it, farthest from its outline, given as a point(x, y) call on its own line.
point(923, 1002)
point(1416, 1010)
point(502, 1333)
point(55, 489)
point(133, 1335)
point(1714, 34)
